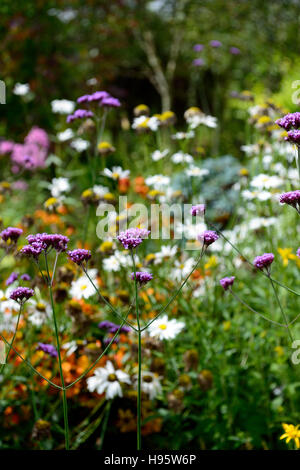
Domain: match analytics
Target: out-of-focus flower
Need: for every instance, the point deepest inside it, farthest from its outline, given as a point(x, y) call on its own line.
point(144, 123)
point(11, 234)
point(234, 51)
point(62, 106)
point(82, 288)
point(79, 256)
point(194, 120)
point(110, 102)
point(198, 62)
point(80, 145)
point(181, 157)
point(79, 114)
point(215, 43)
point(142, 277)
point(11, 279)
point(63, 136)
point(48, 349)
point(116, 173)
point(150, 384)
point(196, 171)
point(263, 181)
point(158, 155)
point(21, 89)
point(199, 209)
point(107, 379)
point(163, 328)
point(59, 186)
point(227, 282)
point(198, 47)
point(104, 148)
point(141, 110)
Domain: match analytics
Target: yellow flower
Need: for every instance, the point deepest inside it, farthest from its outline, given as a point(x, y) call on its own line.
point(226, 325)
point(211, 263)
point(105, 148)
point(287, 254)
point(291, 432)
point(279, 350)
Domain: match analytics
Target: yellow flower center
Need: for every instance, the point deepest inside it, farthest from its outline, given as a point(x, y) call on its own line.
point(163, 326)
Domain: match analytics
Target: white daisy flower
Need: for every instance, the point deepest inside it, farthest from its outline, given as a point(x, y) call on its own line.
point(80, 145)
point(263, 181)
point(182, 268)
point(205, 119)
point(157, 181)
point(38, 312)
point(183, 135)
point(107, 379)
point(116, 173)
point(166, 251)
point(150, 384)
point(82, 288)
point(62, 106)
point(158, 155)
point(196, 171)
point(163, 328)
point(181, 157)
point(63, 136)
point(59, 186)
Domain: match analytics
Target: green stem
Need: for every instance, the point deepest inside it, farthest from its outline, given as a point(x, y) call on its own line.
point(65, 405)
point(282, 311)
point(139, 401)
point(13, 338)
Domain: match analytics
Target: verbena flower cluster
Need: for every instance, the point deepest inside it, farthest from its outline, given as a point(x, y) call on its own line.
point(79, 114)
point(42, 242)
point(199, 209)
point(208, 237)
point(264, 261)
point(47, 348)
point(142, 277)
point(79, 256)
point(102, 97)
point(113, 327)
point(227, 282)
point(11, 233)
point(291, 120)
point(21, 294)
point(292, 198)
point(132, 237)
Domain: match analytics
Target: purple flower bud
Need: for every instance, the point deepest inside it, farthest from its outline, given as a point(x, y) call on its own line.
point(289, 120)
point(234, 51)
point(227, 282)
point(298, 252)
point(264, 261)
point(142, 277)
point(21, 294)
point(79, 114)
point(198, 47)
point(293, 136)
point(110, 102)
point(199, 209)
point(79, 256)
point(98, 96)
point(25, 277)
point(292, 198)
point(208, 237)
point(215, 43)
point(198, 62)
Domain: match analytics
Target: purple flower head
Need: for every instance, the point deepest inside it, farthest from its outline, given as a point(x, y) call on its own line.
point(292, 198)
point(264, 261)
point(47, 348)
point(20, 185)
point(198, 47)
point(132, 237)
point(108, 340)
point(80, 114)
point(208, 237)
point(11, 279)
point(198, 62)
point(11, 234)
point(38, 137)
point(46, 240)
point(289, 120)
point(199, 209)
point(293, 136)
point(25, 277)
point(98, 96)
point(298, 252)
point(33, 251)
point(79, 256)
point(142, 277)
point(234, 51)
point(21, 294)
point(110, 102)
point(215, 43)
point(227, 282)
point(112, 327)
point(6, 146)
point(83, 99)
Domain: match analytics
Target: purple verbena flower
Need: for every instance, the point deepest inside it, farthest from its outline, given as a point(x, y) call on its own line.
point(198, 62)
point(11, 279)
point(21, 294)
point(79, 256)
point(208, 237)
point(293, 136)
point(142, 277)
point(298, 252)
point(25, 277)
point(79, 114)
point(227, 282)
point(47, 348)
point(110, 102)
point(11, 234)
point(132, 237)
point(289, 120)
point(112, 327)
point(215, 43)
point(198, 47)
point(199, 209)
point(45, 240)
point(292, 198)
point(264, 261)
point(83, 99)
point(98, 96)
point(234, 51)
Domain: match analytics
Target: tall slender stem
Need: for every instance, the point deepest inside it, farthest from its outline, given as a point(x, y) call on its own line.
point(13, 338)
point(65, 405)
point(282, 311)
point(139, 401)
